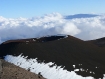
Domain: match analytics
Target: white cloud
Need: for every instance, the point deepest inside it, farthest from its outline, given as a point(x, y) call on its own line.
point(55, 23)
point(91, 28)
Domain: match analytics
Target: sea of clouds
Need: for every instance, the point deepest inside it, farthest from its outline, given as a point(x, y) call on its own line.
point(85, 28)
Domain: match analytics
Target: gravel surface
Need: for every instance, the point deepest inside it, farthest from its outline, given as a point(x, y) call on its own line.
point(10, 71)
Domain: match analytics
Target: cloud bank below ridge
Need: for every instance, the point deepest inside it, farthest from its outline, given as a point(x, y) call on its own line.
point(52, 24)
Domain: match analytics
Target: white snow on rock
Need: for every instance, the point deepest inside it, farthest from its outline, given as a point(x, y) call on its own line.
point(64, 35)
point(55, 72)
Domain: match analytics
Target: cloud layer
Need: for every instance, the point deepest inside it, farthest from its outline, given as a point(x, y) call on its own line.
point(52, 24)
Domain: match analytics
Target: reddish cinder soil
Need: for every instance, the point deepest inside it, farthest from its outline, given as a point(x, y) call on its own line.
point(10, 71)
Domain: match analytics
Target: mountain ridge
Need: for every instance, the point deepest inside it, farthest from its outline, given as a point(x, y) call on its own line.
point(61, 51)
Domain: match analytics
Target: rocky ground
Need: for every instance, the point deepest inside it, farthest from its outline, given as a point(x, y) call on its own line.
point(10, 71)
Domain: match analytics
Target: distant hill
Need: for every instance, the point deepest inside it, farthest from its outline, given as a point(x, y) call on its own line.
point(64, 51)
point(80, 16)
point(99, 42)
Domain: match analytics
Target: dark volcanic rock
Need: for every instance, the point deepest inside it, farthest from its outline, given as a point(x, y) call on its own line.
point(66, 52)
point(0, 67)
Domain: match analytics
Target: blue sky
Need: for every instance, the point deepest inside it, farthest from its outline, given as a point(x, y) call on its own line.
point(30, 8)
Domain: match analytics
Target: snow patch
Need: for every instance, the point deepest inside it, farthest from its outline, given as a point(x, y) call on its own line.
point(55, 72)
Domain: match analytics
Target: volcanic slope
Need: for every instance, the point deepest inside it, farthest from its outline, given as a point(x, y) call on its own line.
point(63, 51)
point(99, 42)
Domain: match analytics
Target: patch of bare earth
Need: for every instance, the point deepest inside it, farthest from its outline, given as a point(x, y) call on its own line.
point(10, 71)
